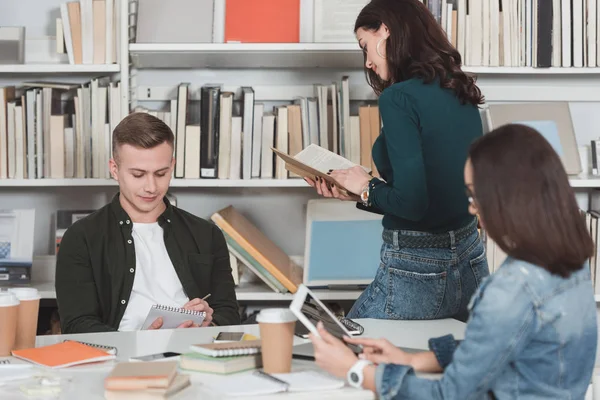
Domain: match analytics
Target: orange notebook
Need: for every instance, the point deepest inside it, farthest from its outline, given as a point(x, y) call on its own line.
point(60, 355)
point(262, 21)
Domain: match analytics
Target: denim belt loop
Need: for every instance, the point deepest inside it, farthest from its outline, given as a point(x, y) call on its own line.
point(396, 243)
point(452, 240)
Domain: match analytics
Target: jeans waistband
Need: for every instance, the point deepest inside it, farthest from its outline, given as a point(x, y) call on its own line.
point(432, 240)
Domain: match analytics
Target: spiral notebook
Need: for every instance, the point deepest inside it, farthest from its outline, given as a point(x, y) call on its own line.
point(109, 349)
point(242, 348)
point(172, 316)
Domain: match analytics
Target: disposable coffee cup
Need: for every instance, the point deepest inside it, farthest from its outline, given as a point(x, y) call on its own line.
point(9, 306)
point(27, 317)
point(277, 336)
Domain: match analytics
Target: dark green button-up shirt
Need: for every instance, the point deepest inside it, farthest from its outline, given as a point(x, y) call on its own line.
point(95, 267)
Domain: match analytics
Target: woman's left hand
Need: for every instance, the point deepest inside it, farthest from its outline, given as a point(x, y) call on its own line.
point(332, 354)
point(354, 179)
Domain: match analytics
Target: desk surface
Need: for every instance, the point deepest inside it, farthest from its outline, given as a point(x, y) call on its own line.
point(87, 381)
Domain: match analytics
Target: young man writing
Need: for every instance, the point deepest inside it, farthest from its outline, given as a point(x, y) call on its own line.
point(139, 250)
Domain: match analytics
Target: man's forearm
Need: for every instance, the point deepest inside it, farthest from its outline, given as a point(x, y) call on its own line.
point(85, 325)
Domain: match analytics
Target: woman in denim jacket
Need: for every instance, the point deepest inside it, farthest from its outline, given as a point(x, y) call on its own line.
point(532, 331)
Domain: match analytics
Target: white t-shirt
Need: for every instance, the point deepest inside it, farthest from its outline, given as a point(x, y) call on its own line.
point(155, 282)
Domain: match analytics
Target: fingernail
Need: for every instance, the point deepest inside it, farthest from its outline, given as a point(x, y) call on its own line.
point(361, 356)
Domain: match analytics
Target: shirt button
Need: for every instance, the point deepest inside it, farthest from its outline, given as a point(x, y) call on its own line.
point(123, 302)
point(168, 220)
point(131, 270)
point(129, 241)
point(127, 222)
point(121, 222)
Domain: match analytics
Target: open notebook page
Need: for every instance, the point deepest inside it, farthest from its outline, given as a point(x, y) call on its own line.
point(249, 384)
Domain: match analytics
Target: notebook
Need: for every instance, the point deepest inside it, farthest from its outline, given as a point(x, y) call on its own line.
point(219, 365)
point(60, 355)
point(179, 383)
point(109, 349)
point(253, 384)
point(141, 375)
point(242, 348)
point(172, 316)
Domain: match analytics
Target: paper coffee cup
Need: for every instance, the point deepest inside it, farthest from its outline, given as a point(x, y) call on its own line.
point(277, 336)
point(27, 316)
point(9, 305)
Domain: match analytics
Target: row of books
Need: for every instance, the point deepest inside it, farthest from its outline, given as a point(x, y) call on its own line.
point(246, 21)
point(54, 130)
point(522, 33)
point(226, 139)
point(87, 30)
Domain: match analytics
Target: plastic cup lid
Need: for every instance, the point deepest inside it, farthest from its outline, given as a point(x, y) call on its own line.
point(275, 315)
point(25, 293)
point(8, 299)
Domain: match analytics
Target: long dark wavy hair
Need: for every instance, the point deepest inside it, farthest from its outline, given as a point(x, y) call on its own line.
point(416, 48)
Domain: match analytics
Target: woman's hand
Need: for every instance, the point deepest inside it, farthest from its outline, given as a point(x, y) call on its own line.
point(354, 179)
point(325, 189)
point(332, 354)
point(381, 351)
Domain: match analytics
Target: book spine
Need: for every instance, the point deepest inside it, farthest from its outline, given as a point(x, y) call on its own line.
point(209, 131)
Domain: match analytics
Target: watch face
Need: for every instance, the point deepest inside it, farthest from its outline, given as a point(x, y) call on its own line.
point(354, 377)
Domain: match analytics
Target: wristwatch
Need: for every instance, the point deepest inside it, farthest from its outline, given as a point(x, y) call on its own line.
point(355, 375)
point(364, 195)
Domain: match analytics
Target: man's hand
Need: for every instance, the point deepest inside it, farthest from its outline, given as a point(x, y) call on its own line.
point(200, 305)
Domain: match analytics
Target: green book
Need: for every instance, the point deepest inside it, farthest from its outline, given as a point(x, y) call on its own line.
point(254, 265)
point(219, 365)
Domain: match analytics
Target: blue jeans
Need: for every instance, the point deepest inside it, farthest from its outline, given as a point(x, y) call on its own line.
point(419, 282)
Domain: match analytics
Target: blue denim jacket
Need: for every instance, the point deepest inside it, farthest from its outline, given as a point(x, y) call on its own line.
point(530, 335)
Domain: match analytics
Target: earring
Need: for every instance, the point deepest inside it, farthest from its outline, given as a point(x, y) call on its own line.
point(377, 48)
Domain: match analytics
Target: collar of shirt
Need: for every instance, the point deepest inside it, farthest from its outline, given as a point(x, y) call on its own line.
point(124, 220)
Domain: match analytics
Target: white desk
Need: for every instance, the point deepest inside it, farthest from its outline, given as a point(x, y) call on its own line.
point(87, 381)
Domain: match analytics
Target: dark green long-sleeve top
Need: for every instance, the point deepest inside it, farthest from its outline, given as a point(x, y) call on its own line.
point(421, 153)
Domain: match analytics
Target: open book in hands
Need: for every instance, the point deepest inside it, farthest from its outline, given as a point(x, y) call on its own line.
point(316, 161)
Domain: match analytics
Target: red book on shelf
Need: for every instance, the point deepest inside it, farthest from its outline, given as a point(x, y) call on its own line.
point(262, 21)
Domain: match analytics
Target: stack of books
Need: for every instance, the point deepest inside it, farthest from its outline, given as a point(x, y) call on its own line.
point(257, 252)
point(223, 358)
point(130, 380)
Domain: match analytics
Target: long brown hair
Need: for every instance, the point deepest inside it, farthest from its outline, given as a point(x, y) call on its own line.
point(525, 201)
point(416, 48)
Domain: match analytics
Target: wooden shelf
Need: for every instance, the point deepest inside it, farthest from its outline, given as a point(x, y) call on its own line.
point(58, 68)
point(244, 292)
point(531, 71)
point(582, 182)
point(288, 55)
point(246, 55)
point(585, 182)
point(178, 183)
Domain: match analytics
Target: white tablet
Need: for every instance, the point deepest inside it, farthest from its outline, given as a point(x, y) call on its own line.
point(310, 316)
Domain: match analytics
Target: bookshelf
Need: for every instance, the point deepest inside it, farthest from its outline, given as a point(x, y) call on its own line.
point(583, 182)
point(278, 73)
point(245, 292)
point(176, 183)
point(245, 55)
point(53, 69)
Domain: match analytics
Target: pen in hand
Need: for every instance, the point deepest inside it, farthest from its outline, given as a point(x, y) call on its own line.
point(206, 297)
